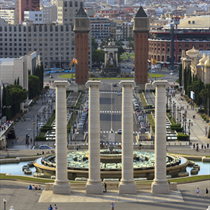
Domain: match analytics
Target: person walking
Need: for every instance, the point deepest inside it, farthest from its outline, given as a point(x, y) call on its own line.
point(197, 191)
point(207, 192)
point(105, 187)
point(55, 207)
point(50, 208)
point(112, 205)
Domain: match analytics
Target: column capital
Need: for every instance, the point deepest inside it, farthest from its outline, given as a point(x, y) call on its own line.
point(127, 82)
point(160, 83)
point(60, 83)
point(93, 83)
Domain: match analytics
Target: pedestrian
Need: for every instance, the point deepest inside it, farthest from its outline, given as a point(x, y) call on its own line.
point(166, 149)
point(55, 207)
point(105, 186)
point(204, 148)
point(197, 191)
point(31, 140)
point(193, 146)
point(112, 205)
point(207, 192)
point(50, 208)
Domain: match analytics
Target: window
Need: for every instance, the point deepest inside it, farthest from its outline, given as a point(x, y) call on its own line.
point(76, 3)
point(70, 4)
point(200, 45)
point(36, 15)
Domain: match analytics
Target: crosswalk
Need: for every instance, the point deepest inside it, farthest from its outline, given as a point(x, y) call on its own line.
point(115, 112)
point(108, 92)
point(109, 112)
point(134, 132)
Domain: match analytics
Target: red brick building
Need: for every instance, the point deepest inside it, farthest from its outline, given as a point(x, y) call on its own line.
point(141, 29)
point(189, 35)
point(81, 29)
point(24, 5)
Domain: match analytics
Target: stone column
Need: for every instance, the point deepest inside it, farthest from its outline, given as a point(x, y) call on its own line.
point(94, 184)
point(160, 183)
point(61, 184)
point(127, 184)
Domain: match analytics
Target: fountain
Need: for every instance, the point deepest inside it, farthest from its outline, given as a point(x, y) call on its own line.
point(110, 164)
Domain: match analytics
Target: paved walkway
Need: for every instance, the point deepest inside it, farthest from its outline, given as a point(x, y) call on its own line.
point(197, 131)
point(21, 198)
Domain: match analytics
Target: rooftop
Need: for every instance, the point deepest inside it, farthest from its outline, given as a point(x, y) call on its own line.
point(7, 61)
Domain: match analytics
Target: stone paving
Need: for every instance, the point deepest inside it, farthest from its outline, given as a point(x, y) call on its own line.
point(81, 196)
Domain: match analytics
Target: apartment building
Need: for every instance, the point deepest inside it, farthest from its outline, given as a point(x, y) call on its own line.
point(47, 15)
point(67, 9)
point(100, 28)
point(52, 42)
point(24, 5)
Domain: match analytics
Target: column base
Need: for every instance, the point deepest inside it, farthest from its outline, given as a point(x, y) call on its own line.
point(127, 187)
point(160, 187)
point(62, 188)
point(94, 188)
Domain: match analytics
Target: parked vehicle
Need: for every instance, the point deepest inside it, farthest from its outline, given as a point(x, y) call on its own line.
point(44, 147)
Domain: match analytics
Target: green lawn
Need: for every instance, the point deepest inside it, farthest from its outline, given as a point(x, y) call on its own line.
point(68, 76)
point(143, 101)
point(154, 75)
point(44, 180)
point(151, 120)
point(125, 55)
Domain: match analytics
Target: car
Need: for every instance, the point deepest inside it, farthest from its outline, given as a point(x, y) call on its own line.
point(118, 93)
point(44, 147)
point(153, 71)
point(51, 77)
point(172, 74)
point(114, 85)
point(119, 131)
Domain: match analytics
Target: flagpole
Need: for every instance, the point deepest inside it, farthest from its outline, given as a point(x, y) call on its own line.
point(71, 73)
point(151, 69)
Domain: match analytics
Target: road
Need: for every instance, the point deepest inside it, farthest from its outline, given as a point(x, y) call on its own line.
point(110, 110)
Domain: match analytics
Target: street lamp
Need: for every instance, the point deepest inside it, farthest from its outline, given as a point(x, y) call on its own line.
point(189, 131)
point(5, 201)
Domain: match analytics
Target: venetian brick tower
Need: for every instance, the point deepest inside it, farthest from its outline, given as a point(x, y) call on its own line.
point(81, 29)
point(141, 29)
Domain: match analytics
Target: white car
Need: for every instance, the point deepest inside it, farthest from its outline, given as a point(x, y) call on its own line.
point(44, 147)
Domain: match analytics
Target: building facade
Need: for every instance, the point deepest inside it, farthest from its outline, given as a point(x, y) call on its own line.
point(191, 32)
point(66, 11)
point(13, 68)
point(7, 15)
point(52, 42)
point(24, 5)
point(100, 28)
point(46, 16)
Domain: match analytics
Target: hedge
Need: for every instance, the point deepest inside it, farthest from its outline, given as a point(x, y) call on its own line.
point(168, 110)
point(40, 138)
point(182, 137)
point(177, 128)
point(201, 110)
point(46, 128)
point(148, 107)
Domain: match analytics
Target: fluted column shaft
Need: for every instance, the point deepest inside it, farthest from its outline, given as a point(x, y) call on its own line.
point(61, 185)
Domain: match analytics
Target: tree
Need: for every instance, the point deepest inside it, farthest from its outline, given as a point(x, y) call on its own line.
point(94, 44)
point(130, 45)
point(98, 56)
point(33, 86)
point(15, 82)
point(130, 39)
point(18, 81)
point(13, 96)
point(185, 79)
point(180, 74)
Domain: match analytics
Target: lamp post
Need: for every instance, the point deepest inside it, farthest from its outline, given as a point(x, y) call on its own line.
point(5, 202)
point(183, 124)
point(189, 131)
point(33, 130)
point(167, 100)
point(180, 117)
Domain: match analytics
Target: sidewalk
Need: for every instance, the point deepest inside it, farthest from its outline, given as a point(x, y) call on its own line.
point(197, 131)
point(26, 127)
